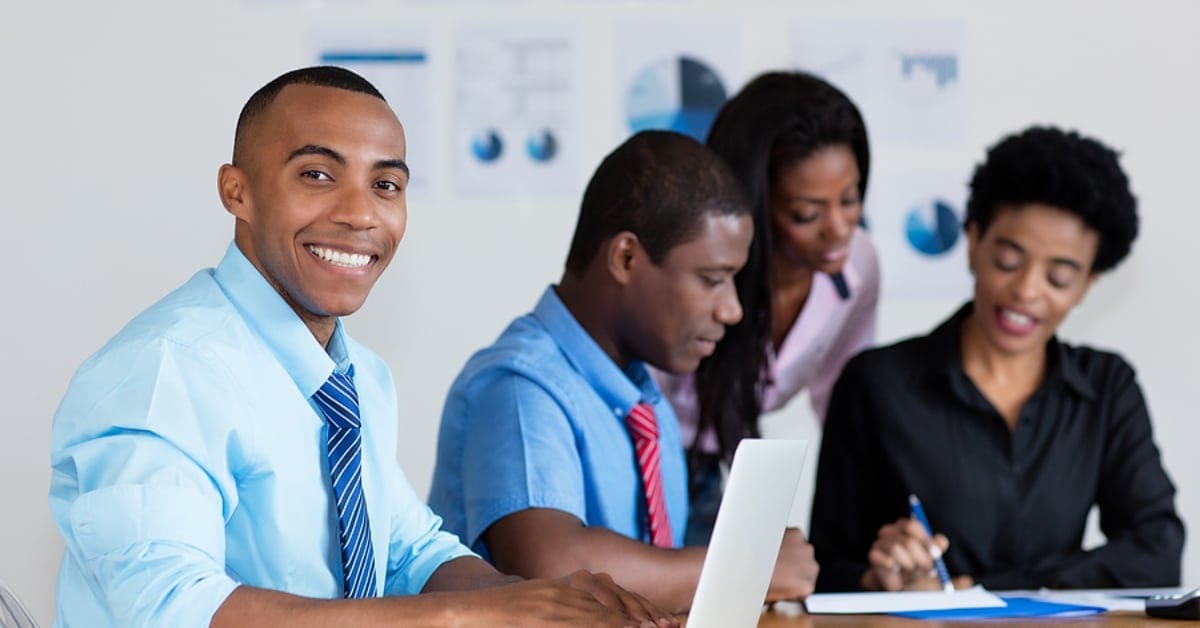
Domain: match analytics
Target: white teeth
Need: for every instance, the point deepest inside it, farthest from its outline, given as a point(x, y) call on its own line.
point(340, 258)
point(1016, 318)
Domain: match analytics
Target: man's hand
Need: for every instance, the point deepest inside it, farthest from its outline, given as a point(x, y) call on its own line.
point(602, 587)
point(902, 558)
point(796, 569)
point(462, 592)
point(581, 599)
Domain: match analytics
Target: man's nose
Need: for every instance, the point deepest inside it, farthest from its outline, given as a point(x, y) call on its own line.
point(355, 209)
point(729, 308)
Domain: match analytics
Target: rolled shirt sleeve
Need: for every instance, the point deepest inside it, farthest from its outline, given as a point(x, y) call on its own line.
point(140, 493)
point(418, 544)
point(519, 452)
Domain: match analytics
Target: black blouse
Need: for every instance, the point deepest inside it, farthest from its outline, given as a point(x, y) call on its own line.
point(906, 419)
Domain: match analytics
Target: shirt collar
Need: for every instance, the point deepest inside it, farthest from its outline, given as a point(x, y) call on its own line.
point(1060, 363)
point(947, 344)
point(620, 389)
point(284, 333)
point(847, 279)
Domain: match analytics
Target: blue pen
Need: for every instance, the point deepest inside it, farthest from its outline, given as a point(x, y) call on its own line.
point(918, 513)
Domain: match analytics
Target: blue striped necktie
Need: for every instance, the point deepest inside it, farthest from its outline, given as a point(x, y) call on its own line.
point(338, 401)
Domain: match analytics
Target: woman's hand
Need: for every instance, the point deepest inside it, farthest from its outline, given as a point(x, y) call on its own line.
point(902, 559)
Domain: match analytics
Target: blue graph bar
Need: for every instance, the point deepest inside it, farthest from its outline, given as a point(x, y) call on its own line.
point(375, 56)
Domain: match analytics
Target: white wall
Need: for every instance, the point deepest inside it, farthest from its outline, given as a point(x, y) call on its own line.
point(116, 115)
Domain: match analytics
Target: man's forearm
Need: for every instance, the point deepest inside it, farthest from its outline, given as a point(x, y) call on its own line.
point(666, 577)
point(248, 606)
point(466, 573)
point(467, 599)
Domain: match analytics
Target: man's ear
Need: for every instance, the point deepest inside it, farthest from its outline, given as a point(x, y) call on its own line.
point(621, 256)
point(234, 190)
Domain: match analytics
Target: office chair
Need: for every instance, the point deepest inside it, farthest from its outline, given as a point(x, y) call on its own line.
point(13, 614)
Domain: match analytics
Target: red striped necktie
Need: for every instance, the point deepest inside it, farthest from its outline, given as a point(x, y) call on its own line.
point(643, 427)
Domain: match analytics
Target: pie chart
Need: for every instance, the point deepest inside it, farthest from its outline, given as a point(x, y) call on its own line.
point(486, 145)
point(932, 227)
point(542, 146)
point(678, 93)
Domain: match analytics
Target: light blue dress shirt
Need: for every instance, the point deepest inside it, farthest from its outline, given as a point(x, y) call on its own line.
point(188, 458)
point(537, 420)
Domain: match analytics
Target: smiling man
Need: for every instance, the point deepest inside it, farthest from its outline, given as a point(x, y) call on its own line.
point(229, 457)
point(557, 451)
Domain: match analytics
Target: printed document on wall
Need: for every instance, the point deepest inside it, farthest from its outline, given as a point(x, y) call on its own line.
point(906, 76)
point(396, 61)
point(516, 125)
point(915, 220)
point(674, 75)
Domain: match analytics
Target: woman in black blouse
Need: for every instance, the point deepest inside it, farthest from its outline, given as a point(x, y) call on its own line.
point(1007, 435)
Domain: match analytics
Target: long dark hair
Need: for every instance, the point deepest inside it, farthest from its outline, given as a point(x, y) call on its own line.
point(776, 120)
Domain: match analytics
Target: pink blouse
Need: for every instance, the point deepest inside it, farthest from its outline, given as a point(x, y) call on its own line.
point(828, 331)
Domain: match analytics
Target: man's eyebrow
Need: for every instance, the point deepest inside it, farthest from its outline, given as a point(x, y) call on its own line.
point(313, 149)
point(718, 268)
point(325, 151)
point(1010, 244)
point(398, 164)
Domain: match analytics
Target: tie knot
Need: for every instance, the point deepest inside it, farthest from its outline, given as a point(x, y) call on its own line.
point(642, 422)
point(338, 401)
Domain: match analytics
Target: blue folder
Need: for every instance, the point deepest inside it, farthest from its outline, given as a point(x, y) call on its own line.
point(1014, 607)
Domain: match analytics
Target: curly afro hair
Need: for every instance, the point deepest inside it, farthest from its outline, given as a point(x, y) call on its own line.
point(1065, 170)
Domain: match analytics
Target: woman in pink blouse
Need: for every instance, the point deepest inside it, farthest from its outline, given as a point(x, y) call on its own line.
point(811, 283)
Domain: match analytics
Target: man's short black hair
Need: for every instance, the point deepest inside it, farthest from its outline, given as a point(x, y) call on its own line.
point(1065, 170)
point(659, 185)
point(321, 75)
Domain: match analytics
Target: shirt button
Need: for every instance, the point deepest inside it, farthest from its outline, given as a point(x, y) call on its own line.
point(617, 411)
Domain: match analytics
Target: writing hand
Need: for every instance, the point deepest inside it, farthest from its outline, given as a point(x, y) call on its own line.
point(902, 558)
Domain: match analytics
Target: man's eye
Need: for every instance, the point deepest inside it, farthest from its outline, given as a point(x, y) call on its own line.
point(390, 186)
point(712, 282)
point(316, 174)
point(1008, 260)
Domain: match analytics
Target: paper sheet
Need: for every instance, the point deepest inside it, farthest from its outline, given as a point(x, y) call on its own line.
point(1016, 607)
point(902, 601)
point(1112, 599)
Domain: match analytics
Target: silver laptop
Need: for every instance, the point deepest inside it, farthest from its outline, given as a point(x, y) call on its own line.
point(748, 532)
